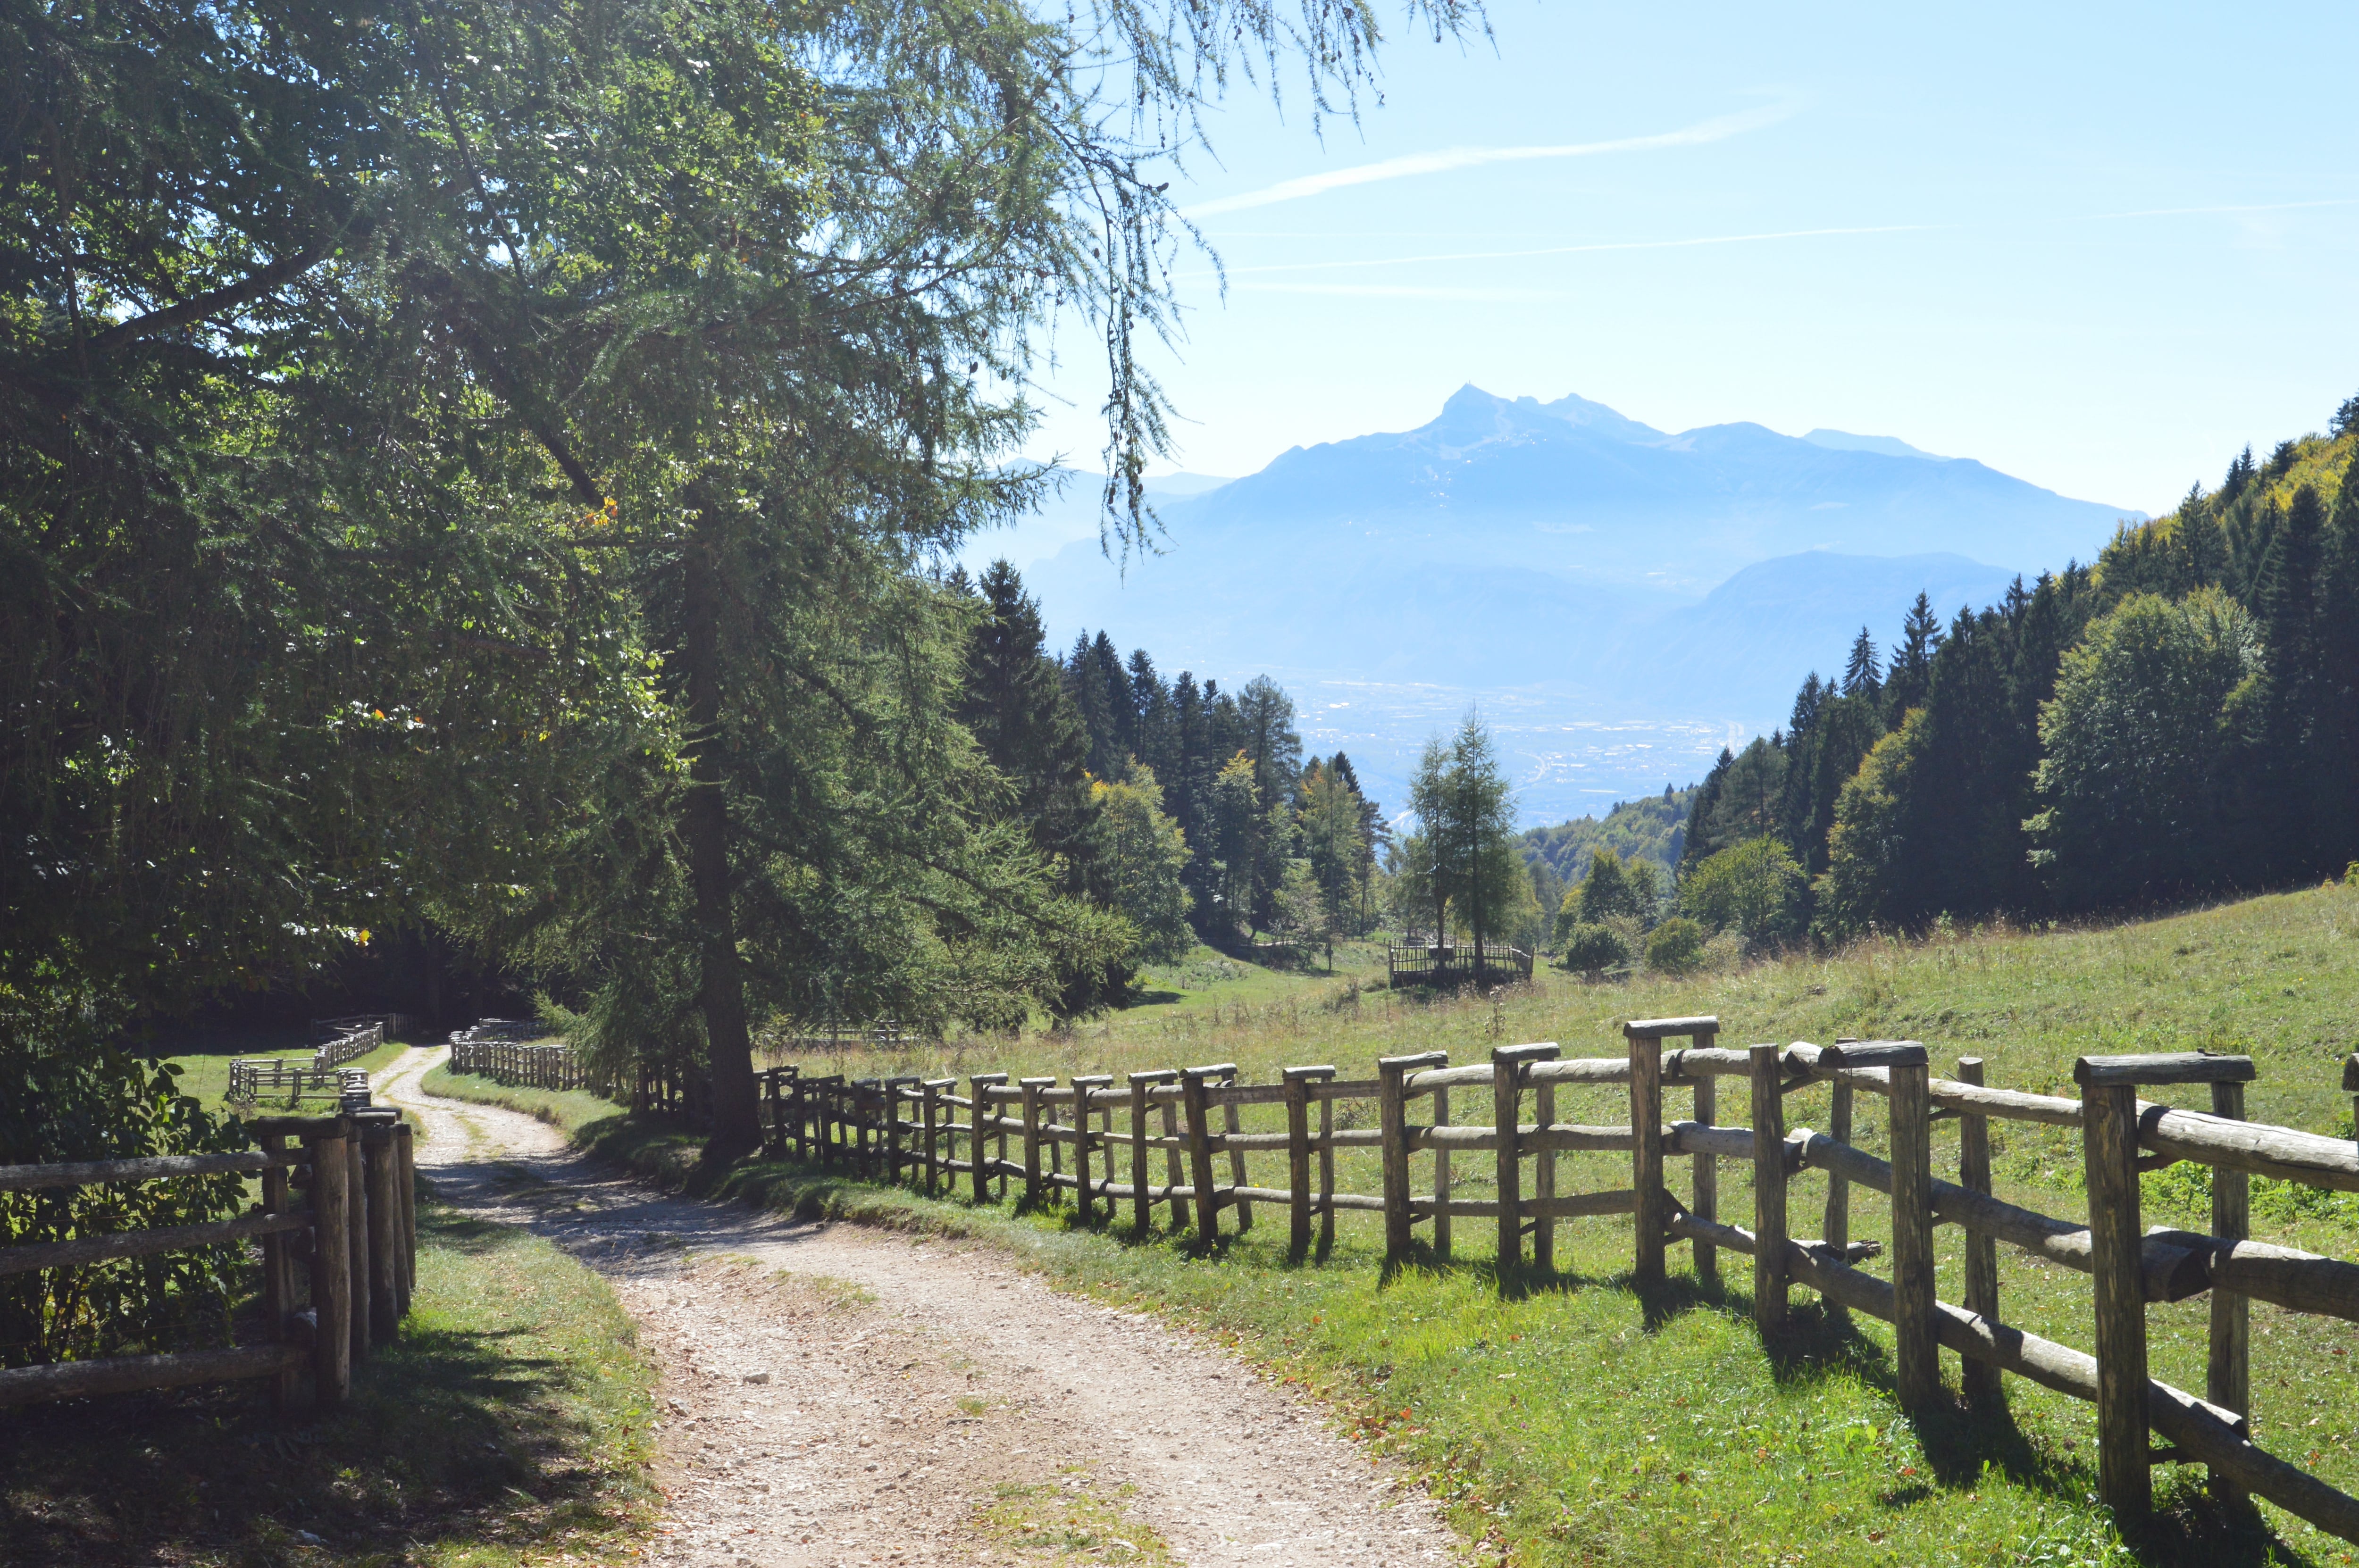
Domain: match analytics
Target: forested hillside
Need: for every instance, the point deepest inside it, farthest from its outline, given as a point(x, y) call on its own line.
point(1652, 829)
point(2181, 717)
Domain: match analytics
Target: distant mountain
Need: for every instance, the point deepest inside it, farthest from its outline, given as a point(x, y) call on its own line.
point(1748, 645)
point(1608, 570)
point(1844, 442)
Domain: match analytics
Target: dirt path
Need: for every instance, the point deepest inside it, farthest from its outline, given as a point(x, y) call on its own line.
point(836, 1395)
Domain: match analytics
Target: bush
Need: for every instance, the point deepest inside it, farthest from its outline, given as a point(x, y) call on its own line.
point(1591, 948)
point(1755, 888)
point(93, 1103)
point(1675, 947)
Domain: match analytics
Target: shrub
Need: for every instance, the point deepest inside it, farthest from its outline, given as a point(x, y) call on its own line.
point(1756, 888)
point(94, 1103)
point(1675, 947)
point(1591, 948)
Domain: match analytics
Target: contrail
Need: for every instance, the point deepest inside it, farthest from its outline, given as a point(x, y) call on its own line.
point(1441, 162)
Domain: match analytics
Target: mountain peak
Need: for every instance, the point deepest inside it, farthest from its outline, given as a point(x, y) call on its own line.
point(1472, 414)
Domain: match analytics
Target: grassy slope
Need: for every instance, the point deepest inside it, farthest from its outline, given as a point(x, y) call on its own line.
point(510, 1418)
point(1563, 1416)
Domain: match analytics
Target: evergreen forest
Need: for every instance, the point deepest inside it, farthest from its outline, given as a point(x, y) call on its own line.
point(2179, 719)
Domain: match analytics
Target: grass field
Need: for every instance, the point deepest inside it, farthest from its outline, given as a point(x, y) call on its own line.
point(1570, 1422)
point(507, 1424)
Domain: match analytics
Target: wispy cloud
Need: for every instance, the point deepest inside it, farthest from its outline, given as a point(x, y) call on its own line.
point(2198, 211)
point(1718, 128)
point(1582, 250)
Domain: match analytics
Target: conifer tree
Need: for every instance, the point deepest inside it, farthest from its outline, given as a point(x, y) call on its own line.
point(1863, 675)
point(1912, 661)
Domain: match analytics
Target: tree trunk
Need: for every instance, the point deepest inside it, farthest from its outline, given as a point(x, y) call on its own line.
point(737, 1120)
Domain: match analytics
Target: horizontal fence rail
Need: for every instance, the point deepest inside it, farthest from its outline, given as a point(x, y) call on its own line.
point(355, 1233)
point(1173, 1137)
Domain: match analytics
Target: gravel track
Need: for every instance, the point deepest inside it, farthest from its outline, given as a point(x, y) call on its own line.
point(839, 1395)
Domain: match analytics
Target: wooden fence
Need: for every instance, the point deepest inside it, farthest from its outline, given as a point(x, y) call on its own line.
point(514, 1062)
point(891, 1127)
point(252, 1078)
point(356, 1237)
point(1454, 964)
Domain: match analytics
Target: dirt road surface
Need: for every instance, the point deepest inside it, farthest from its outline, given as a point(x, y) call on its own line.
point(838, 1395)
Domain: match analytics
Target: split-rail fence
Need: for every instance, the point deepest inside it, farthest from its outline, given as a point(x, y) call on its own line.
point(502, 1051)
point(893, 1127)
point(337, 1268)
point(255, 1078)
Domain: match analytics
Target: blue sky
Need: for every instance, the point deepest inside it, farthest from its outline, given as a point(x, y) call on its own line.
point(2096, 247)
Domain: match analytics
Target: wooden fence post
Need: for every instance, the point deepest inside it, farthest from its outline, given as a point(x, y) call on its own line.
point(356, 1232)
point(1506, 1117)
point(332, 1297)
point(2228, 1371)
point(1298, 1082)
point(979, 1087)
point(1441, 1228)
point(1326, 1171)
point(1193, 1088)
point(277, 1276)
point(1980, 1380)
point(1707, 1180)
point(1083, 1088)
point(1392, 1120)
point(383, 1229)
point(1034, 1193)
point(856, 1105)
point(2351, 1087)
point(2109, 1150)
point(1916, 1352)
point(929, 1109)
point(406, 1179)
point(1649, 1214)
point(1543, 1179)
point(1510, 1066)
point(1142, 1207)
point(1173, 1165)
point(1837, 1233)
point(1768, 1191)
point(1233, 1121)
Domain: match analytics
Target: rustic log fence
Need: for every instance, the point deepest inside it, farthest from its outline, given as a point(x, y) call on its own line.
point(350, 1247)
point(1454, 964)
point(253, 1078)
point(883, 1127)
point(499, 1049)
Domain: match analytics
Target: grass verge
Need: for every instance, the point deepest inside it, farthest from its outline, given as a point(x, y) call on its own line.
point(509, 1422)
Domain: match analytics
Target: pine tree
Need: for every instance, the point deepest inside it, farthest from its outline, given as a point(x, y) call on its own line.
point(2277, 782)
point(1912, 661)
point(1014, 702)
point(2240, 474)
point(1089, 696)
point(1862, 676)
point(2334, 772)
point(1150, 703)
